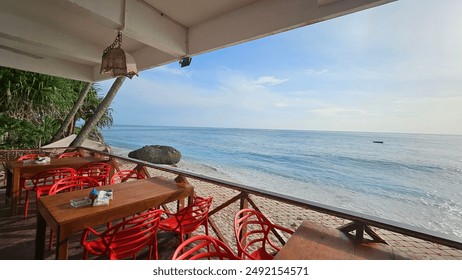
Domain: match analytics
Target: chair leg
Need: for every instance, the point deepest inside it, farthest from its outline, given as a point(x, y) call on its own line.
point(153, 251)
point(26, 204)
point(22, 183)
point(85, 254)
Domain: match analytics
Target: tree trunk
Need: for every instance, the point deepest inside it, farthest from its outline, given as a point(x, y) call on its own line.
point(71, 127)
point(102, 108)
point(66, 123)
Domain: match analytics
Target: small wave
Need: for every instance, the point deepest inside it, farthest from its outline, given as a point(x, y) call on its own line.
point(204, 169)
point(120, 151)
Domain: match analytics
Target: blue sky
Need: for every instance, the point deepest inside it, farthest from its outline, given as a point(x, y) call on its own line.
point(393, 68)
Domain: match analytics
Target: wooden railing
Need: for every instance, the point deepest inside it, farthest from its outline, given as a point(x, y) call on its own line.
point(243, 195)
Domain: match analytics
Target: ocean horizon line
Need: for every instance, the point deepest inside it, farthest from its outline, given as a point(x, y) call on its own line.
point(284, 129)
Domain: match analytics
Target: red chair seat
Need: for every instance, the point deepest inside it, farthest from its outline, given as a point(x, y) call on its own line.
point(174, 225)
point(188, 219)
point(202, 247)
point(261, 254)
point(96, 170)
point(121, 247)
point(252, 232)
point(125, 239)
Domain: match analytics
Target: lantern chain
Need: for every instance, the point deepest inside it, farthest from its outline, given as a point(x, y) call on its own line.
point(117, 41)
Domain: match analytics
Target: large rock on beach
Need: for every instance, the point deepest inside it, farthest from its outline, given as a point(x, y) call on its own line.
point(157, 154)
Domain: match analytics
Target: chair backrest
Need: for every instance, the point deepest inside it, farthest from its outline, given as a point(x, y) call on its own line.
point(96, 170)
point(252, 231)
point(73, 183)
point(70, 154)
point(127, 238)
point(203, 247)
point(43, 180)
point(125, 176)
point(30, 156)
point(194, 215)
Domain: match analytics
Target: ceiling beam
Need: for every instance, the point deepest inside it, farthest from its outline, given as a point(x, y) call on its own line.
point(140, 22)
point(49, 66)
point(47, 40)
point(267, 17)
point(147, 25)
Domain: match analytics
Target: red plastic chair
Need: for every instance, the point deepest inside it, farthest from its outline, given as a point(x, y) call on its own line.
point(70, 154)
point(68, 184)
point(73, 183)
point(204, 247)
point(188, 219)
point(44, 180)
point(96, 170)
point(252, 230)
point(30, 156)
point(125, 239)
point(23, 179)
point(125, 176)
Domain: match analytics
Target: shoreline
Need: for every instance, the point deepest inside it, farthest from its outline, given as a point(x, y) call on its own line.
point(187, 165)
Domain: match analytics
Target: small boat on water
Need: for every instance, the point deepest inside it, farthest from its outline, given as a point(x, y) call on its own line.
point(377, 142)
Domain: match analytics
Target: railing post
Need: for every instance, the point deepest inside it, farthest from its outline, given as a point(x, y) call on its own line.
point(360, 232)
point(244, 203)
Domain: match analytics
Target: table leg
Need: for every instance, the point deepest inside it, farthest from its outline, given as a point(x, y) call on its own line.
point(15, 193)
point(9, 186)
point(62, 243)
point(40, 237)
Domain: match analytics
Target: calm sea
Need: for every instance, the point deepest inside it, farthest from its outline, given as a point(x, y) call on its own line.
point(411, 178)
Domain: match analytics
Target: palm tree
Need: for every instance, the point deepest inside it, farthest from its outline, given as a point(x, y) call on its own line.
point(98, 114)
point(70, 118)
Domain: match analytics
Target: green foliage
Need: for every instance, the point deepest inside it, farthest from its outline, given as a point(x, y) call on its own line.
point(33, 105)
point(15, 133)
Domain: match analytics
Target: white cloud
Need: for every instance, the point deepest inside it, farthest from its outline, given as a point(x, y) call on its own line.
point(338, 111)
point(268, 81)
point(175, 71)
point(316, 71)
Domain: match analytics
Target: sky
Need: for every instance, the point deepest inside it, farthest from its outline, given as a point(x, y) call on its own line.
point(392, 68)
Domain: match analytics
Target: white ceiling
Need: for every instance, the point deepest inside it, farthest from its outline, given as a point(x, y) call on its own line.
point(67, 37)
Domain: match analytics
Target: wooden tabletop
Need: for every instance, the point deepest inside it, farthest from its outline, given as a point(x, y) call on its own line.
point(313, 241)
point(28, 168)
point(129, 198)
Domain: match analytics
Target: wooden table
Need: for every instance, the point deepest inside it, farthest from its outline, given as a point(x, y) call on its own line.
point(16, 169)
point(129, 198)
point(313, 241)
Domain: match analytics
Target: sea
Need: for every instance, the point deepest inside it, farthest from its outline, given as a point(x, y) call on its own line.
point(415, 179)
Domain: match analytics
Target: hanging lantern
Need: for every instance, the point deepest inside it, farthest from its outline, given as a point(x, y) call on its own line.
point(118, 62)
